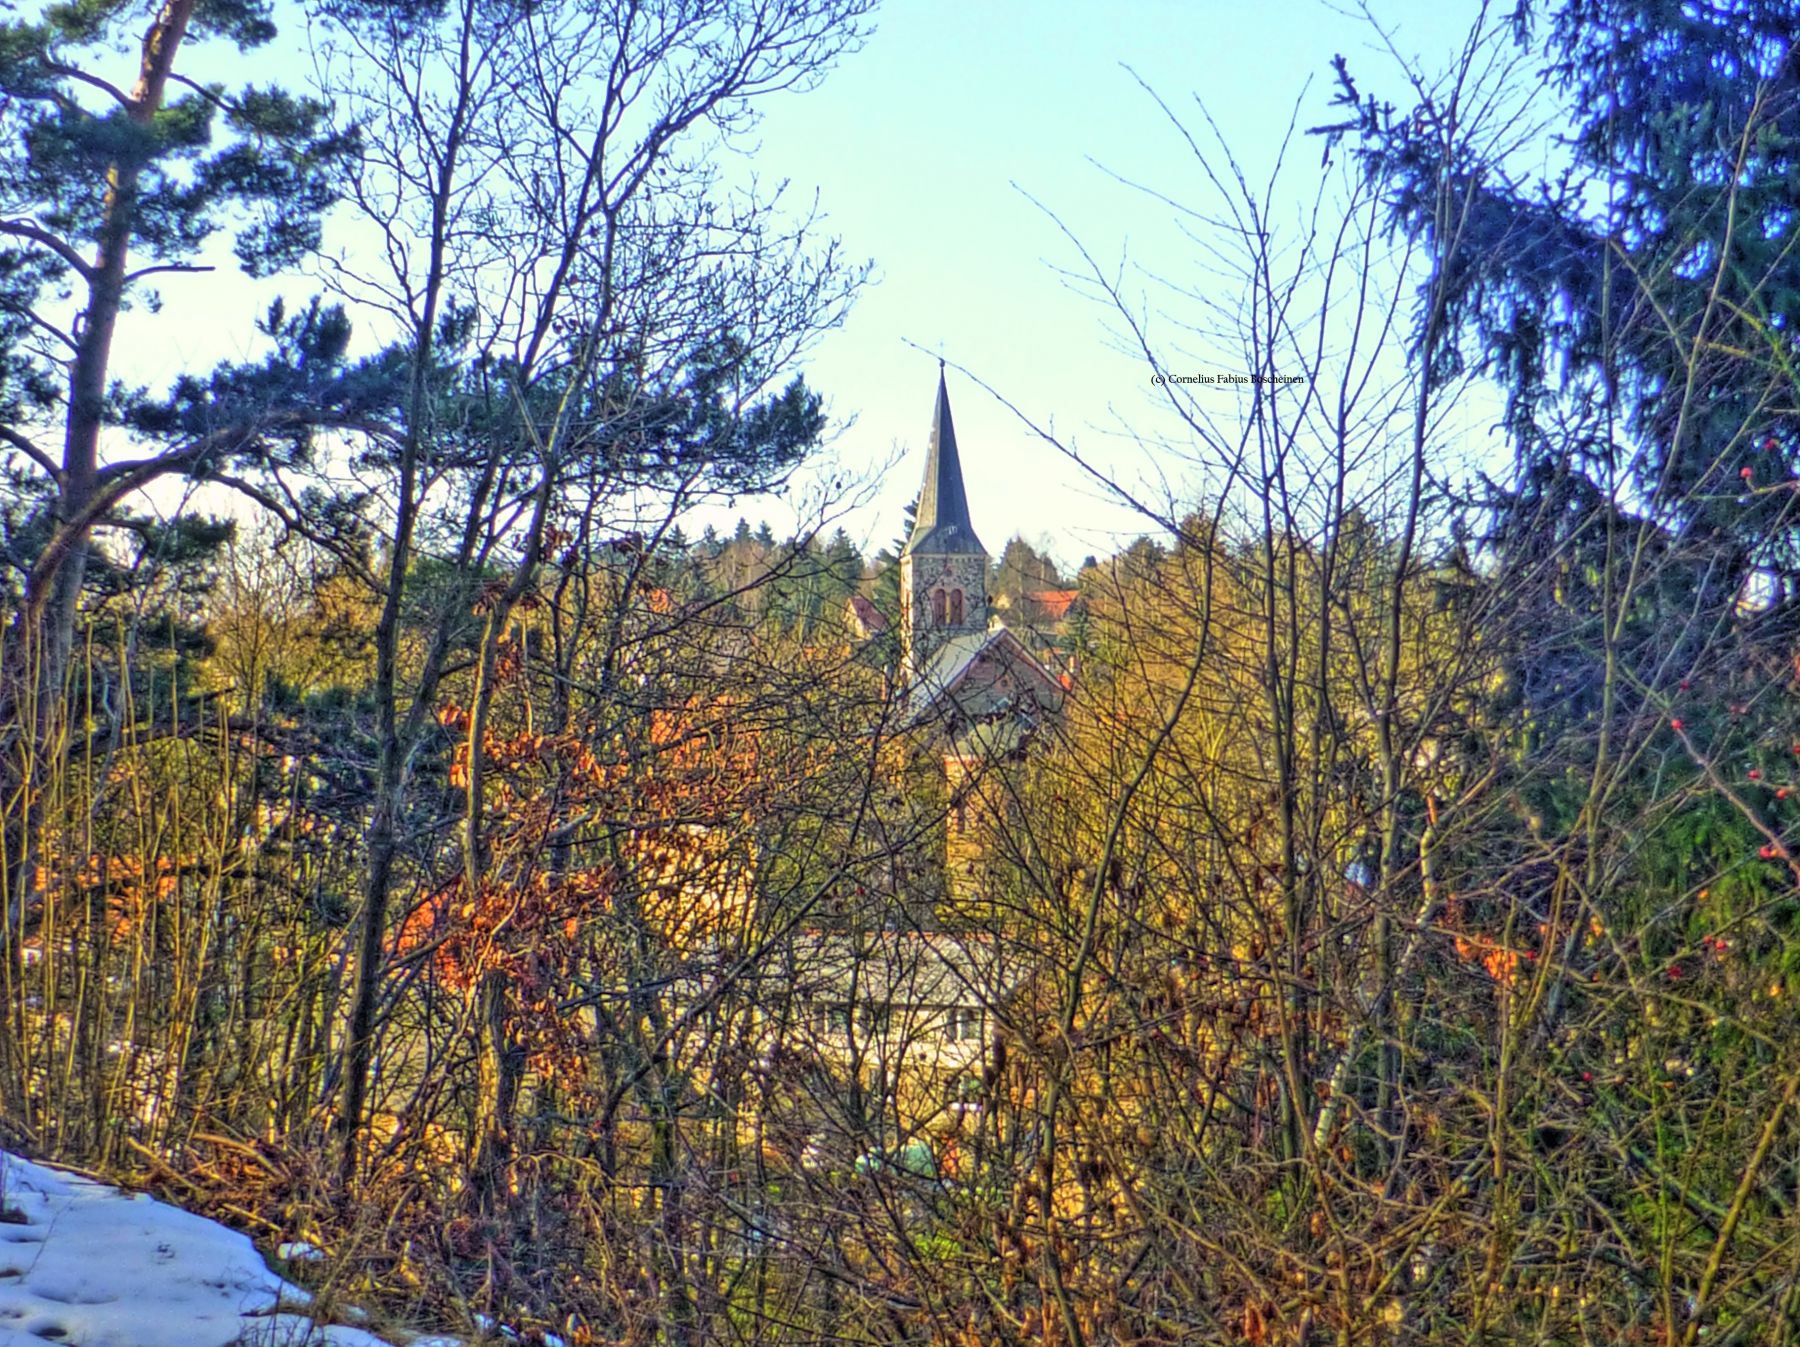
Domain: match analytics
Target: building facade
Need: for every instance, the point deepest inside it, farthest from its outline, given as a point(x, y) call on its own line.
point(960, 668)
point(943, 568)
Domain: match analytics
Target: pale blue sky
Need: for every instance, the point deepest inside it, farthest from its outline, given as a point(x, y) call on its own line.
point(922, 148)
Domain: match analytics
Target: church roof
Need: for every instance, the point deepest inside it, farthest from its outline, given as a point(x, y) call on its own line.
point(953, 660)
point(942, 524)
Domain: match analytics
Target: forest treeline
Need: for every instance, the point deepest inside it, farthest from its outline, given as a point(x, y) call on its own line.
point(454, 855)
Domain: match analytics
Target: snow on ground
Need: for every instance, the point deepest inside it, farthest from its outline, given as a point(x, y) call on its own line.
point(93, 1267)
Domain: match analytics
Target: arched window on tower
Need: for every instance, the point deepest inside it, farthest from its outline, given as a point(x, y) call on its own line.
point(937, 607)
point(956, 608)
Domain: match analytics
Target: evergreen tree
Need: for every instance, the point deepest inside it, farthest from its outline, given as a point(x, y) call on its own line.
point(1022, 570)
point(1638, 307)
point(886, 595)
point(104, 185)
point(843, 563)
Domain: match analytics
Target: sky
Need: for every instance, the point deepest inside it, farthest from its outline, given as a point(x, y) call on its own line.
point(963, 151)
point(941, 150)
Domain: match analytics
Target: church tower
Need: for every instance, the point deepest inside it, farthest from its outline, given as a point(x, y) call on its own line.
point(943, 571)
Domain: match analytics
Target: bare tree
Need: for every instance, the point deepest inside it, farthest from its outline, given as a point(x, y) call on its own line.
point(612, 322)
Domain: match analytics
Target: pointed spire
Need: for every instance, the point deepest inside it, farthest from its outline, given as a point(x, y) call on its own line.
point(942, 524)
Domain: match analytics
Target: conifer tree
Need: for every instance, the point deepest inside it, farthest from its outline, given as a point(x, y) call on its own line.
point(887, 567)
point(105, 184)
point(1637, 306)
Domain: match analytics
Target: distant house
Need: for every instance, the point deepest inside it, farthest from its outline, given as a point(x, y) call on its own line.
point(912, 1015)
point(911, 1003)
point(863, 618)
point(1049, 605)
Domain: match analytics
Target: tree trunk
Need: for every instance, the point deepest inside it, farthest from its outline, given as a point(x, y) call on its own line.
point(498, 1072)
point(44, 631)
point(58, 589)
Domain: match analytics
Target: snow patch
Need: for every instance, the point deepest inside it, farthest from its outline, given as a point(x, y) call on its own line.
point(89, 1266)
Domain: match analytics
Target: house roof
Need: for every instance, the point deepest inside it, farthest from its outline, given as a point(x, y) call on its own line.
point(866, 615)
point(959, 654)
point(904, 967)
point(942, 524)
point(1054, 604)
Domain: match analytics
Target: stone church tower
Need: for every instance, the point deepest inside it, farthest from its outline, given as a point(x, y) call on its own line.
point(943, 571)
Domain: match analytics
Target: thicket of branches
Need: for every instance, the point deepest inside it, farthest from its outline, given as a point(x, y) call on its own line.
point(1395, 937)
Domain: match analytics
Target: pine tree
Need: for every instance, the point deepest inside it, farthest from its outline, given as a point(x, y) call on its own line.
point(886, 595)
point(1022, 570)
point(107, 185)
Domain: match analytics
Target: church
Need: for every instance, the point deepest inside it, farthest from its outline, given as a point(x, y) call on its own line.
point(959, 667)
point(913, 1009)
point(910, 998)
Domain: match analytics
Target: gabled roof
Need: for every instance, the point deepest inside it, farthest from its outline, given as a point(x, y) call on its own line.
point(1054, 604)
point(942, 524)
point(938, 681)
point(865, 616)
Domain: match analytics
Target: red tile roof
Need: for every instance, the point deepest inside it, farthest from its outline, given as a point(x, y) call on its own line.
point(1054, 604)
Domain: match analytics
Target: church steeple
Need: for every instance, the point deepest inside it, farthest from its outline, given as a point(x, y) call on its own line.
point(942, 524)
point(943, 568)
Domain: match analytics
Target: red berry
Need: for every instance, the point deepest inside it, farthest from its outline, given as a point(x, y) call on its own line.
point(1744, 472)
point(1755, 775)
point(1783, 793)
point(1587, 1076)
point(1674, 972)
point(1675, 724)
point(1766, 852)
point(1685, 685)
